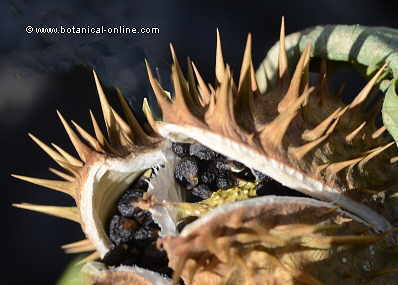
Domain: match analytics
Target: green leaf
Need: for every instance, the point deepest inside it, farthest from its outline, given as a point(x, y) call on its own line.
point(390, 110)
point(72, 274)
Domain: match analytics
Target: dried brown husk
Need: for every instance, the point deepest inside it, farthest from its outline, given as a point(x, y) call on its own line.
point(280, 240)
point(301, 136)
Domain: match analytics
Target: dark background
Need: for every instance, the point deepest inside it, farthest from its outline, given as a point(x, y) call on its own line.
point(42, 73)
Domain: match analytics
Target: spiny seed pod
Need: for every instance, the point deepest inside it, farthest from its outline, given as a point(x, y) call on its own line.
point(278, 240)
point(300, 136)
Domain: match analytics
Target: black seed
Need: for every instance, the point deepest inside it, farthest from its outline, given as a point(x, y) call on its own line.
point(150, 223)
point(131, 260)
point(186, 222)
point(261, 189)
point(222, 165)
point(246, 175)
point(134, 255)
point(117, 255)
point(152, 255)
point(142, 216)
point(144, 235)
point(202, 191)
point(190, 198)
point(140, 185)
point(180, 149)
point(155, 259)
point(122, 229)
point(229, 165)
point(259, 175)
point(202, 152)
point(187, 170)
point(208, 176)
point(125, 206)
point(225, 180)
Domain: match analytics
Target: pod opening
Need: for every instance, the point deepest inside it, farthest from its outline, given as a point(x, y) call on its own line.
point(204, 179)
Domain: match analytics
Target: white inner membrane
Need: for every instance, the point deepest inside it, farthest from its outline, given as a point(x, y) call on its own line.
point(105, 183)
point(282, 173)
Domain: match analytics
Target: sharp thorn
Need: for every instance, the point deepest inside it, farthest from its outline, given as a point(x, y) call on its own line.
point(220, 66)
point(61, 186)
point(70, 213)
point(83, 151)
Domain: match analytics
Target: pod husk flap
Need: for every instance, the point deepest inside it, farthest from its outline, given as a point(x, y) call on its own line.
point(280, 240)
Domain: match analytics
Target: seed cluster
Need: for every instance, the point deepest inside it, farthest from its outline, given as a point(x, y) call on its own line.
point(202, 171)
point(134, 234)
